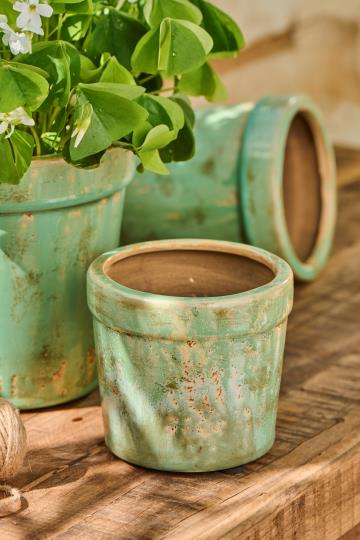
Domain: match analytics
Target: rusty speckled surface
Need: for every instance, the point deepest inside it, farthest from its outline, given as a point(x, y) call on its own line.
point(52, 225)
point(190, 384)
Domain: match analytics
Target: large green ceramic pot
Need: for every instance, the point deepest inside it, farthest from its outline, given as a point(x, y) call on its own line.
point(263, 174)
point(190, 336)
point(52, 225)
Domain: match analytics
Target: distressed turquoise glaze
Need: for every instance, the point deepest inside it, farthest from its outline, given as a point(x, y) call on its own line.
point(189, 384)
point(232, 188)
point(53, 224)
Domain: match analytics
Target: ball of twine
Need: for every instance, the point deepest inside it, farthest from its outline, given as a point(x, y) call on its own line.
point(12, 453)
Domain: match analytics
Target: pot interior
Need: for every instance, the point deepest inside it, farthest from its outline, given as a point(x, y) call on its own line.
point(189, 273)
point(302, 187)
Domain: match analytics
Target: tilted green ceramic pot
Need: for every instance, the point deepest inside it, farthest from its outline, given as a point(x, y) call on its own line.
point(263, 174)
point(190, 336)
point(53, 224)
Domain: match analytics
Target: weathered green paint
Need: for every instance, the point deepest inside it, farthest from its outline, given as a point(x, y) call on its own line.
point(200, 198)
point(232, 189)
point(190, 384)
point(53, 225)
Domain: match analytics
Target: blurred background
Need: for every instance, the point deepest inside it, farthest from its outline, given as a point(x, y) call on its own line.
point(301, 46)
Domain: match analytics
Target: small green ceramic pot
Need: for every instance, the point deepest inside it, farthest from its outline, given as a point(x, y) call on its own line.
point(263, 174)
point(190, 336)
point(52, 226)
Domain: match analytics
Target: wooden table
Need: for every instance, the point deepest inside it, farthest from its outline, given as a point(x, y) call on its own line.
point(307, 486)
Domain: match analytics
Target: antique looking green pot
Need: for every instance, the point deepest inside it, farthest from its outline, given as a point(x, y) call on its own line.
point(263, 174)
point(53, 224)
point(189, 337)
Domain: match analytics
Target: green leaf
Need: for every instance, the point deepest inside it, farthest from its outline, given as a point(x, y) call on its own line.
point(163, 111)
point(177, 116)
point(112, 117)
point(81, 7)
point(116, 73)
point(115, 33)
point(184, 102)
point(15, 156)
point(146, 54)
point(176, 47)
point(66, 1)
point(165, 120)
point(155, 11)
point(35, 69)
point(88, 71)
point(152, 162)
point(21, 87)
point(109, 71)
point(84, 7)
point(183, 46)
point(89, 162)
point(140, 133)
point(75, 27)
point(158, 137)
point(203, 81)
point(183, 148)
point(61, 61)
point(227, 36)
point(128, 91)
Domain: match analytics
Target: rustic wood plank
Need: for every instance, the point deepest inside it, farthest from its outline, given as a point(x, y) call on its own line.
point(307, 486)
point(354, 534)
point(348, 163)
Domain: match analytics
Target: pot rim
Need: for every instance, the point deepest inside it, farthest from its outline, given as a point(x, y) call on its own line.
point(277, 265)
point(137, 312)
point(264, 144)
point(59, 159)
point(52, 183)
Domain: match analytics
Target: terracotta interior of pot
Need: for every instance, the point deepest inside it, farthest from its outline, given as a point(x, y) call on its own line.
point(189, 273)
point(302, 187)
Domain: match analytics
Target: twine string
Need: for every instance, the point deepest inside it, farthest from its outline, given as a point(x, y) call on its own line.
point(12, 453)
point(11, 501)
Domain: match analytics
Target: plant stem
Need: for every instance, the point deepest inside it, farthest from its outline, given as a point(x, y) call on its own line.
point(37, 140)
point(60, 23)
point(53, 117)
point(157, 92)
point(176, 83)
point(146, 79)
point(47, 26)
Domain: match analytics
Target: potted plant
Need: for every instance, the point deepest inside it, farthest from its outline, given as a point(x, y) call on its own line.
point(84, 86)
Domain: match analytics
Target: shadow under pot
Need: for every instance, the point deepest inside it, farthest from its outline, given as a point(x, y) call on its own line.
point(189, 337)
point(263, 173)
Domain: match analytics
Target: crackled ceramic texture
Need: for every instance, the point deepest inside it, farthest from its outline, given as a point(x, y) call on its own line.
point(263, 174)
point(189, 383)
point(52, 226)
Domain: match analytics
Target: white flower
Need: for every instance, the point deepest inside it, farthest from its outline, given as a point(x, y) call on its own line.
point(9, 120)
point(3, 23)
point(82, 124)
point(30, 15)
point(18, 42)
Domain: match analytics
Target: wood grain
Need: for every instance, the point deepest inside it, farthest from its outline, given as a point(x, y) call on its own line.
point(306, 487)
point(348, 162)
